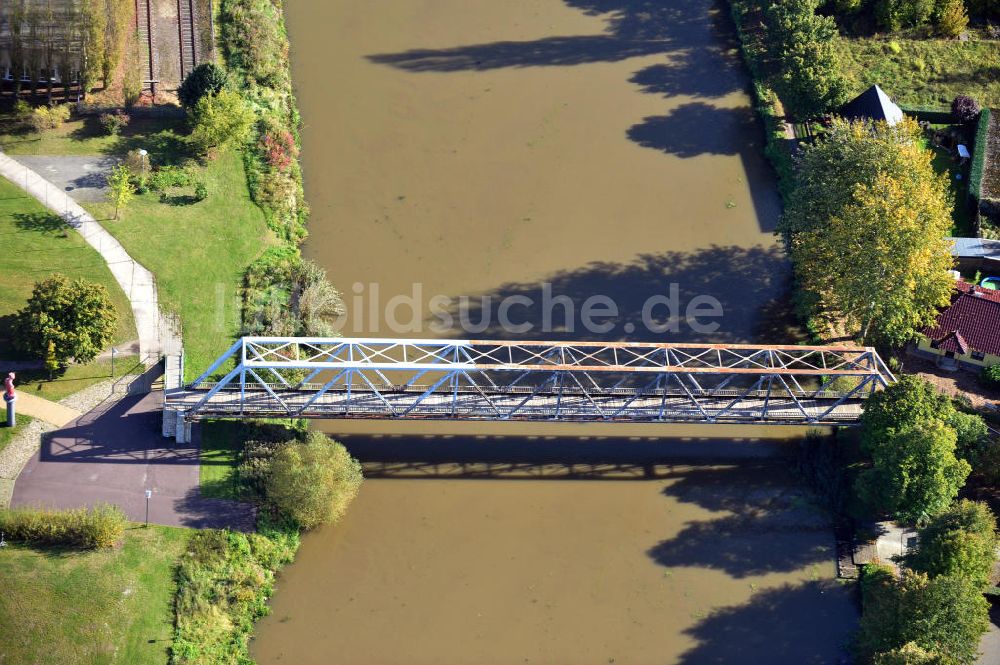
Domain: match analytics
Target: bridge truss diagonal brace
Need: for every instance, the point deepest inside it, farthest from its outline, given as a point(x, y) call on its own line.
point(528, 380)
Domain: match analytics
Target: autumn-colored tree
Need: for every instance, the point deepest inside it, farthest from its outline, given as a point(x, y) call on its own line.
point(951, 19)
point(866, 230)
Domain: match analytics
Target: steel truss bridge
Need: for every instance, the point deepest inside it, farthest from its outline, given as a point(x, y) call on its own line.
point(421, 379)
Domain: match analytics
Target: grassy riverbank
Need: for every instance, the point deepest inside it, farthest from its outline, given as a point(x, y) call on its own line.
point(70, 607)
point(198, 253)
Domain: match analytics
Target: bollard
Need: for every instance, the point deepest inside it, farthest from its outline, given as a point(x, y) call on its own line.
point(11, 412)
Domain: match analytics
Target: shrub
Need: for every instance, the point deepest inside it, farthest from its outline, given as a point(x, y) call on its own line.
point(964, 109)
point(895, 15)
point(200, 190)
point(114, 123)
point(165, 177)
point(67, 319)
point(990, 376)
point(205, 79)
point(979, 156)
point(280, 149)
point(49, 117)
point(22, 110)
point(222, 119)
point(908, 654)
point(961, 541)
point(98, 527)
point(253, 41)
point(314, 481)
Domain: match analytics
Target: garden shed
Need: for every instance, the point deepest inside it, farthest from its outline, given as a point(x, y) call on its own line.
point(873, 104)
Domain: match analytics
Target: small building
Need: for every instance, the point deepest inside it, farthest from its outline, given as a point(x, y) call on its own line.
point(972, 254)
point(966, 333)
point(873, 104)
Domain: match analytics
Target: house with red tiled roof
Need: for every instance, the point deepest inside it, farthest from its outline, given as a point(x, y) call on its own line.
point(966, 333)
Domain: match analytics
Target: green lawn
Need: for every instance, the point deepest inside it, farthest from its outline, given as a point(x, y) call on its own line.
point(76, 377)
point(221, 442)
point(8, 433)
point(69, 607)
point(924, 72)
point(84, 136)
point(34, 243)
point(198, 253)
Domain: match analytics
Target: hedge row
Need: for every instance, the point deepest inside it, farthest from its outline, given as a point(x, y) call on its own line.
point(935, 116)
point(97, 527)
point(766, 104)
point(979, 157)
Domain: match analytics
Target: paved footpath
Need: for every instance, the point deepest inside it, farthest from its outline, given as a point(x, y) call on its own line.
point(155, 336)
point(53, 413)
point(113, 454)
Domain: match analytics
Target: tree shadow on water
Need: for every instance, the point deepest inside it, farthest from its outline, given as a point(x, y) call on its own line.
point(634, 28)
point(693, 74)
point(772, 526)
point(749, 283)
point(696, 128)
point(806, 624)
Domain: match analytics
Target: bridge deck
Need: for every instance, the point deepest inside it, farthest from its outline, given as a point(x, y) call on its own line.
point(413, 404)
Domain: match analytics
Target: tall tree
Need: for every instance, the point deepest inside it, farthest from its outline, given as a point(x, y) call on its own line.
point(802, 45)
point(945, 616)
point(66, 319)
point(914, 472)
point(867, 229)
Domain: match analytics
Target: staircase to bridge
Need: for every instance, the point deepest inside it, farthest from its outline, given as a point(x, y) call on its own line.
point(474, 380)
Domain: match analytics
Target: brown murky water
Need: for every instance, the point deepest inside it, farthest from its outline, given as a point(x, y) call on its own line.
point(476, 147)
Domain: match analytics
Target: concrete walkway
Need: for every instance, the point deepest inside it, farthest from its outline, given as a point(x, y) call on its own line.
point(53, 413)
point(113, 454)
point(156, 335)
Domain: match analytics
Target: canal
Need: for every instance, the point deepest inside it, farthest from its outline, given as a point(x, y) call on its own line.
point(460, 154)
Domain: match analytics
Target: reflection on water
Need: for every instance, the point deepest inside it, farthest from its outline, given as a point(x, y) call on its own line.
point(481, 148)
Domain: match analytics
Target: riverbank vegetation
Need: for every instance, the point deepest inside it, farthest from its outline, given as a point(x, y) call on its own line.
point(79, 607)
point(299, 481)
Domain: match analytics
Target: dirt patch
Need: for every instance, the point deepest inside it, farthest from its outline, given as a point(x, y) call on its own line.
point(960, 383)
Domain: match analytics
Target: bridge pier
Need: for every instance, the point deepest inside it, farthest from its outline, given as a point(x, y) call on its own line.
point(175, 426)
